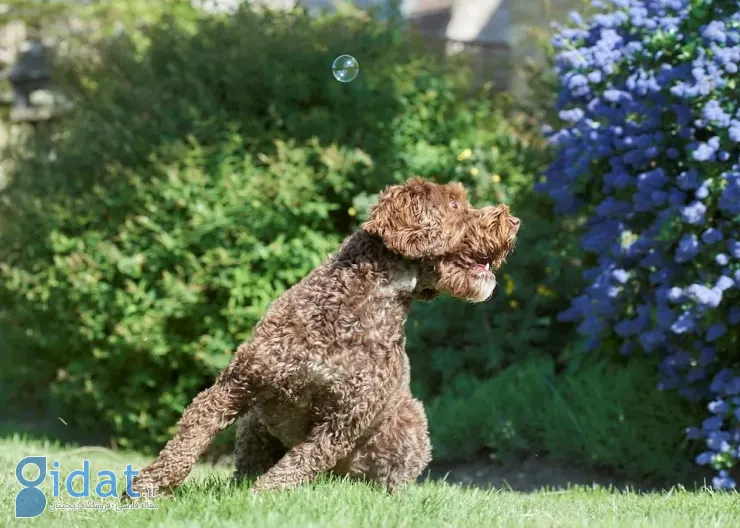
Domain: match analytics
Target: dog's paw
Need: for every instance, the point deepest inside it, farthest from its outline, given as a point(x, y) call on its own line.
point(145, 488)
point(257, 487)
point(261, 485)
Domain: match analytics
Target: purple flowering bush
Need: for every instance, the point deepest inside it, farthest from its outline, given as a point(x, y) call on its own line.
point(648, 150)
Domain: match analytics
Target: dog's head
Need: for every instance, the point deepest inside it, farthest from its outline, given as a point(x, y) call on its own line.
point(458, 246)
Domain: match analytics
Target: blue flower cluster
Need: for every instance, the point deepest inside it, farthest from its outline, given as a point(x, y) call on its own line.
point(649, 150)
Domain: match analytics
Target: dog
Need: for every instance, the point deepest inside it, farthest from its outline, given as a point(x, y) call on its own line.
point(323, 383)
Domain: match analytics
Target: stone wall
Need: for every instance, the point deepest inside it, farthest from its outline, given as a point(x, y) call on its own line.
point(12, 35)
point(534, 16)
point(497, 33)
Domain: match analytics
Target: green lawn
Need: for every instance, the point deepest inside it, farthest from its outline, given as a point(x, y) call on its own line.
point(208, 500)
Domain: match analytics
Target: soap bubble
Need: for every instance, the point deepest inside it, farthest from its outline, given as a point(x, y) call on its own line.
point(345, 68)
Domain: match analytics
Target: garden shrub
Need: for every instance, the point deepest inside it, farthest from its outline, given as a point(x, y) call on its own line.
point(140, 289)
point(598, 415)
point(647, 150)
point(211, 161)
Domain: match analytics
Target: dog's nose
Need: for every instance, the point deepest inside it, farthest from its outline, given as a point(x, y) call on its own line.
point(515, 222)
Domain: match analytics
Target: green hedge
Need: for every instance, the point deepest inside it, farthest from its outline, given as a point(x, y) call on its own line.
point(594, 414)
point(210, 163)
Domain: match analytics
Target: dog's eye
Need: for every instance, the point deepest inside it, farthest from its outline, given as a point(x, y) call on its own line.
point(454, 204)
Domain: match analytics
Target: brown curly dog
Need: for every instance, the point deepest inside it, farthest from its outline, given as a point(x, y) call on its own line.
point(323, 384)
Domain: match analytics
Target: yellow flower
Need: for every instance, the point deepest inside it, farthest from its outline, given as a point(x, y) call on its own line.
point(513, 303)
point(496, 178)
point(474, 171)
point(545, 291)
point(465, 154)
point(352, 211)
point(628, 238)
point(509, 284)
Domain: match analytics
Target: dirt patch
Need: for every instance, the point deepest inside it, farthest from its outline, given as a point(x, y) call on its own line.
point(533, 474)
point(537, 473)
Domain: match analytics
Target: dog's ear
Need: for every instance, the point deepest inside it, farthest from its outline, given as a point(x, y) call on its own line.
point(408, 220)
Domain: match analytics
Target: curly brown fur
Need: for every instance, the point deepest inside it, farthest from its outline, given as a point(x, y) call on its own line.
point(323, 384)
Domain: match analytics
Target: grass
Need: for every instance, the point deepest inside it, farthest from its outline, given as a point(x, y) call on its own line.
point(208, 500)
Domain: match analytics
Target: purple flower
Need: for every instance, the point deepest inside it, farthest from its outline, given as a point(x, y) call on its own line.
point(716, 331)
point(713, 423)
point(685, 323)
point(651, 180)
point(675, 294)
point(713, 112)
point(702, 191)
point(723, 481)
point(659, 198)
point(711, 235)
point(724, 283)
point(721, 381)
point(626, 348)
point(718, 407)
point(651, 340)
point(679, 360)
point(734, 131)
point(704, 458)
point(694, 433)
point(694, 213)
point(574, 114)
point(613, 96)
point(688, 248)
point(576, 18)
point(734, 315)
point(704, 296)
point(733, 386)
point(696, 374)
point(729, 201)
point(733, 246)
point(704, 152)
point(651, 142)
point(594, 77)
point(625, 328)
point(715, 31)
point(620, 275)
point(576, 81)
point(707, 355)
point(688, 180)
point(591, 326)
point(718, 441)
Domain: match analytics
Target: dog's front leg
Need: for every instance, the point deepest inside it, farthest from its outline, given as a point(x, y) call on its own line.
point(330, 441)
point(211, 411)
point(305, 461)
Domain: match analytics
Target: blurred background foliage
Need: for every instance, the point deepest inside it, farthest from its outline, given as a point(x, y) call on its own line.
point(212, 160)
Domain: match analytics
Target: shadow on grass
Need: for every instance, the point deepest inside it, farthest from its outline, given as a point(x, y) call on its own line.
point(28, 422)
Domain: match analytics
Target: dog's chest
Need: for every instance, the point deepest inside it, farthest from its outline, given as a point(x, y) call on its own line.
point(290, 418)
point(291, 424)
